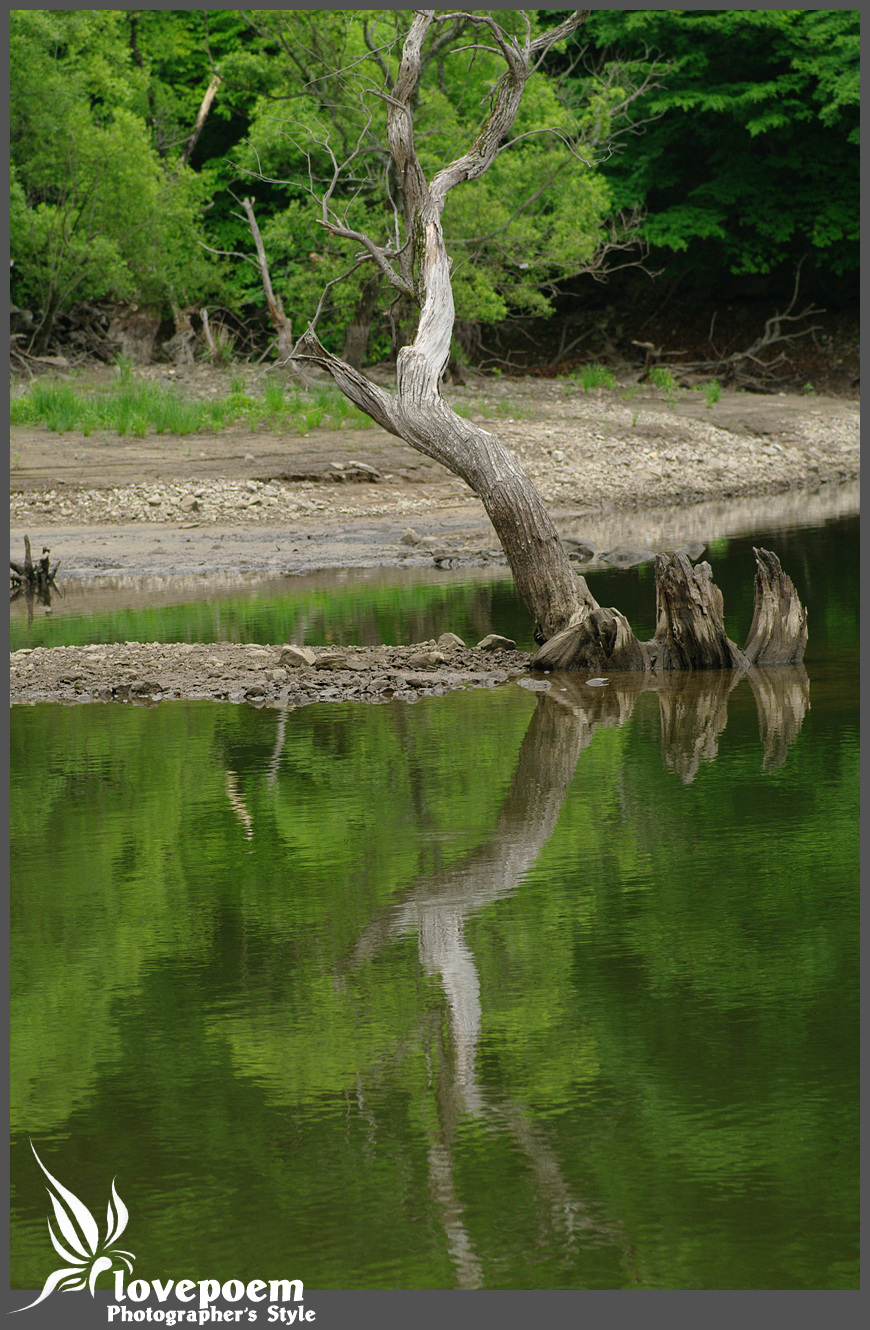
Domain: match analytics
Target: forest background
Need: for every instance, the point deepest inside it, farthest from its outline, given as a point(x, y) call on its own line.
point(718, 159)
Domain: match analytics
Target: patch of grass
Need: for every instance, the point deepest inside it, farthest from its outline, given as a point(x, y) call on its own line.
point(663, 379)
point(593, 376)
point(22, 411)
point(124, 365)
point(712, 392)
point(221, 352)
point(135, 408)
point(509, 406)
point(274, 399)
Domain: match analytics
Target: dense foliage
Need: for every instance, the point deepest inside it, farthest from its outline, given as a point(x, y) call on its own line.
point(748, 160)
point(94, 212)
point(743, 156)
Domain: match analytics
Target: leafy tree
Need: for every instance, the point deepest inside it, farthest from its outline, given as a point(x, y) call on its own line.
point(94, 212)
point(749, 157)
point(325, 81)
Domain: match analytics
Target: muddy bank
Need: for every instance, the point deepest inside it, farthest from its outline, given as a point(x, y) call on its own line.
point(449, 538)
point(282, 676)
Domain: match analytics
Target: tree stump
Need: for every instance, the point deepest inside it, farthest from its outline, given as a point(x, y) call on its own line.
point(31, 579)
point(690, 630)
point(778, 635)
point(37, 576)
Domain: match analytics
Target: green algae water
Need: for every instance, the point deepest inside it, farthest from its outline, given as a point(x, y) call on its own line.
point(499, 990)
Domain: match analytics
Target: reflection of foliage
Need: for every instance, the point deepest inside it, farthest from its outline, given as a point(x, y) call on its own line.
point(330, 615)
point(670, 993)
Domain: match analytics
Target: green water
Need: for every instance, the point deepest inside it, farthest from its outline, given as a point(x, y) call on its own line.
point(499, 990)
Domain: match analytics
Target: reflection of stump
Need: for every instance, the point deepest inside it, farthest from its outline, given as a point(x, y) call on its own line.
point(694, 712)
point(782, 697)
point(690, 628)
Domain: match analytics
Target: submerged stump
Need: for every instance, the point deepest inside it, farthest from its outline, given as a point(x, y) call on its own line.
point(690, 628)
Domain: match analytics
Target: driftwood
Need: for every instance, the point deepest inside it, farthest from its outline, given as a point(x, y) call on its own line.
point(32, 580)
point(39, 575)
point(690, 630)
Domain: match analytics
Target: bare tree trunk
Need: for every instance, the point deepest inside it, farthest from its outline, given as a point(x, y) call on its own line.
point(356, 338)
point(39, 344)
point(201, 117)
point(276, 308)
point(544, 577)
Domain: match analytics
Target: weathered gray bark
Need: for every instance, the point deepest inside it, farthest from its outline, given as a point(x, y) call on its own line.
point(778, 635)
point(417, 412)
point(690, 631)
point(204, 109)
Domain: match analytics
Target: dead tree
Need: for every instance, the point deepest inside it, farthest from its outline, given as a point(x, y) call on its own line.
point(283, 326)
point(419, 269)
point(38, 576)
point(33, 581)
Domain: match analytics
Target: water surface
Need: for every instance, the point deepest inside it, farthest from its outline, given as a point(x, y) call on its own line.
point(498, 990)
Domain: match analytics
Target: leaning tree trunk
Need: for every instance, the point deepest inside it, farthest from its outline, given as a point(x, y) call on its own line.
point(579, 633)
point(417, 413)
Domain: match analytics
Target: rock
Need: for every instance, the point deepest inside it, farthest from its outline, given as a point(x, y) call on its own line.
point(597, 683)
point(426, 660)
point(276, 676)
point(450, 640)
point(493, 642)
point(627, 556)
point(693, 550)
point(339, 660)
point(409, 537)
point(189, 504)
point(292, 655)
point(535, 685)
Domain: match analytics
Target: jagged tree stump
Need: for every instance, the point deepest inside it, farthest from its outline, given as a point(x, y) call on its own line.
point(690, 629)
point(37, 576)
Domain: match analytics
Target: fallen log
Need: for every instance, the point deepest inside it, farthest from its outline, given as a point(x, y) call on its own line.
point(690, 629)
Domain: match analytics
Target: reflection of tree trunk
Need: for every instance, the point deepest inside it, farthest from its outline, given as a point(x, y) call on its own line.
point(275, 759)
point(237, 802)
point(782, 697)
point(694, 712)
point(567, 1214)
